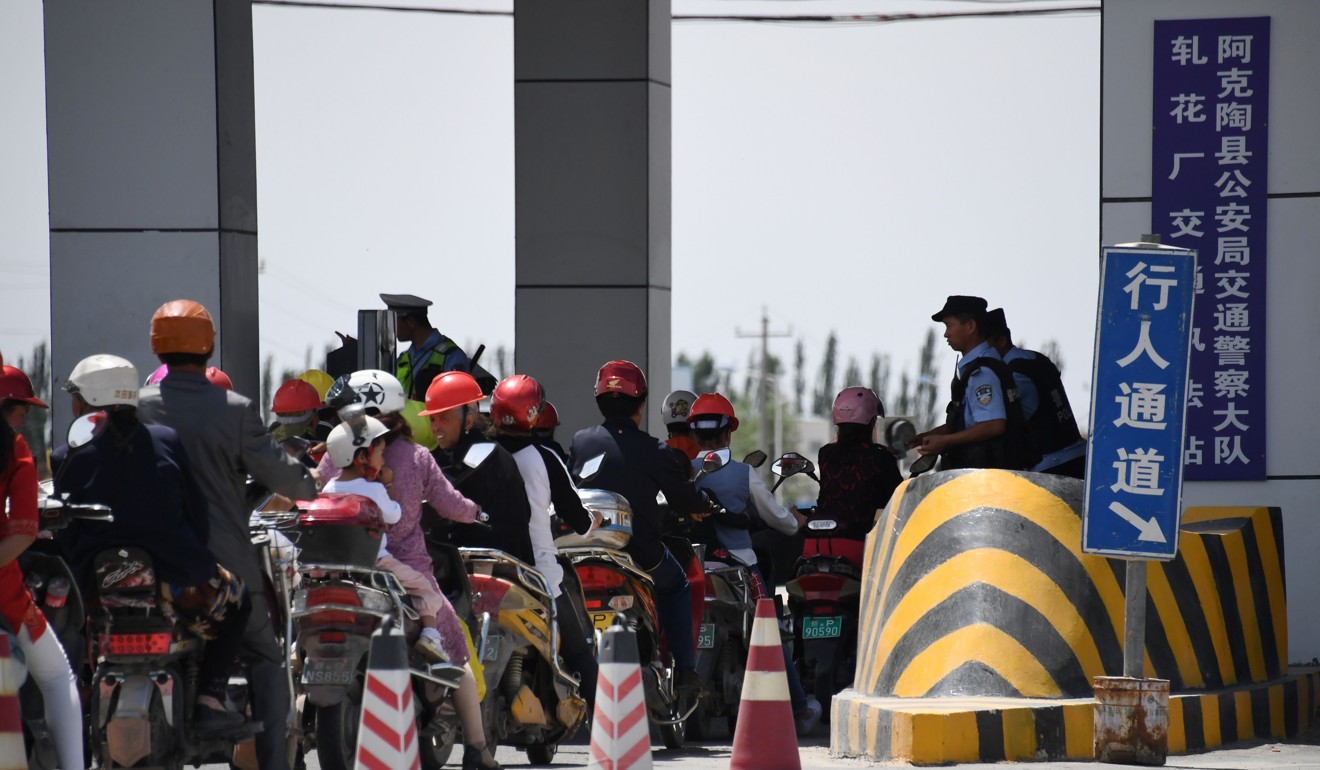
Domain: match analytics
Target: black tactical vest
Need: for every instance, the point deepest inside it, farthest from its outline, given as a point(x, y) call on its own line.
point(1053, 425)
point(1014, 449)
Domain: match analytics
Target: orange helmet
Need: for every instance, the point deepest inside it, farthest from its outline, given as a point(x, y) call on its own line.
point(450, 390)
point(621, 377)
point(516, 403)
point(295, 396)
point(182, 326)
point(712, 411)
point(218, 378)
point(15, 386)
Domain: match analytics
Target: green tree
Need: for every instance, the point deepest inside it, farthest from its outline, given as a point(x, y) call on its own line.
point(799, 376)
point(36, 428)
point(879, 380)
point(927, 388)
point(824, 393)
point(852, 375)
point(705, 378)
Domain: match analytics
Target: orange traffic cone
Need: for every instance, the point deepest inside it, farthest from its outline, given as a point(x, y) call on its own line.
point(12, 754)
point(765, 738)
point(387, 732)
point(620, 731)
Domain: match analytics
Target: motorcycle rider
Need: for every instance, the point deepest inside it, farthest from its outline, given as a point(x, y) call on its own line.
point(415, 477)
point(674, 411)
point(225, 441)
point(857, 475)
point(1062, 448)
point(741, 493)
point(515, 409)
point(46, 661)
point(543, 433)
point(297, 426)
point(496, 485)
point(638, 466)
point(143, 474)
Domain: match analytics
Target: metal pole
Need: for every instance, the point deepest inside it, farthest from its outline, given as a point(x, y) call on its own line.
point(762, 401)
point(1134, 620)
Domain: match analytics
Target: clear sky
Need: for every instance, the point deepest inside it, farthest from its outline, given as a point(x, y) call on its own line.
point(844, 177)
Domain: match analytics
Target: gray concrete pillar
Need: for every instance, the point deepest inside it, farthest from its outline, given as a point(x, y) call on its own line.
point(592, 143)
point(153, 186)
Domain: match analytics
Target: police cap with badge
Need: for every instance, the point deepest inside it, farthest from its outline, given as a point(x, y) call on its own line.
point(406, 305)
point(958, 304)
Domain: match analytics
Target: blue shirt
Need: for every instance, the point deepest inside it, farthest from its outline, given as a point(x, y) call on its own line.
point(983, 400)
point(1026, 388)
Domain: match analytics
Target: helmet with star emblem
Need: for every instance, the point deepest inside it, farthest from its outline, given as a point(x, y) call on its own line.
point(621, 377)
point(516, 403)
point(377, 390)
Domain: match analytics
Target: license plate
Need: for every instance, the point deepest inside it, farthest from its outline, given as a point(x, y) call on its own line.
point(492, 651)
point(602, 620)
point(822, 628)
point(327, 671)
point(706, 637)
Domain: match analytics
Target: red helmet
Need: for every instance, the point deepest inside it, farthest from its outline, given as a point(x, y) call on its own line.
point(295, 396)
point(182, 326)
point(516, 403)
point(621, 377)
point(15, 386)
point(712, 411)
point(450, 390)
point(218, 378)
point(549, 417)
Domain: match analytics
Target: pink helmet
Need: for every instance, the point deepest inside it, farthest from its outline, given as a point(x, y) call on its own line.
point(856, 405)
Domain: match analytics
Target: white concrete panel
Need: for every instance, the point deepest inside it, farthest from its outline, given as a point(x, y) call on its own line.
point(583, 169)
point(660, 185)
point(1126, 91)
point(1122, 223)
point(131, 114)
point(1301, 541)
point(659, 363)
point(606, 324)
point(591, 40)
point(106, 286)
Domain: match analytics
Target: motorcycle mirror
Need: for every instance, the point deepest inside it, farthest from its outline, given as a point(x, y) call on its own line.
point(822, 525)
point(84, 429)
point(792, 464)
point(478, 454)
point(897, 434)
point(591, 467)
point(756, 458)
point(923, 464)
point(711, 462)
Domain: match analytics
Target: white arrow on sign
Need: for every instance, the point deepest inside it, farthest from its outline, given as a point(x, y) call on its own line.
point(1150, 530)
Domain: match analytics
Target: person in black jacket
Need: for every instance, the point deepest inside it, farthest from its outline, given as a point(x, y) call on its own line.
point(637, 465)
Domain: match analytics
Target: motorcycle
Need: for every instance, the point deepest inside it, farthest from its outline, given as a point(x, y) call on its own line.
point(616, 590)
point(530, 699)
point(53, 588)
point(823, 597)
point(343, 599)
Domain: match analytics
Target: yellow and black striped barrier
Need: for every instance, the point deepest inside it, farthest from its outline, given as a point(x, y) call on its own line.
point(974, 586)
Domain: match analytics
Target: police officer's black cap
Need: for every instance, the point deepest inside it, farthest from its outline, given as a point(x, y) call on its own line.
point(406, 304)
point(995, 323)
point(958, 304)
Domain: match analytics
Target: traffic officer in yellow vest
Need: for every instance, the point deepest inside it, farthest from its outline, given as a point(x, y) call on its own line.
point(433, 353)
point(429, 352)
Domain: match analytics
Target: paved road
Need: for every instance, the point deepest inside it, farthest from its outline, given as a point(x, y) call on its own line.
point(1303, 754)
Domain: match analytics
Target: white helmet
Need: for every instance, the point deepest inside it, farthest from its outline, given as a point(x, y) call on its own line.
point(378, 390)
point(350, 436)
point(676, 405)
point(104, 380)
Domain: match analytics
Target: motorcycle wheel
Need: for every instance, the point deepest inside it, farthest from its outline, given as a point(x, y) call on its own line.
point(734, 668)
point(434, 750)
point(674, 736)
point(542, 753)
point(336, 734)
point(698, 725)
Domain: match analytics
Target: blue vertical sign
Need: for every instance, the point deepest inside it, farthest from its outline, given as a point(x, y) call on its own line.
point(1134, 468)
point(1209, 156)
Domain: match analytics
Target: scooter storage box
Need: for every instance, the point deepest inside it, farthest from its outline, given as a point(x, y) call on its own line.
point(614, 531)
point(339, 529)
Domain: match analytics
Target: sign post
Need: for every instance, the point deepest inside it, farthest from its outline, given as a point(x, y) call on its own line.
point(1134, 474)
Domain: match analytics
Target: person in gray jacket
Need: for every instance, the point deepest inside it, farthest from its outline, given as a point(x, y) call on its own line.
point(226, 441)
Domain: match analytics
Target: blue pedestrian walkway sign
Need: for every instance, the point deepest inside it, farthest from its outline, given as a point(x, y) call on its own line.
point(1134, 461)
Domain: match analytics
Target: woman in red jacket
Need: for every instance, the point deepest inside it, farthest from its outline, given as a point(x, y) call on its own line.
point(46, 662)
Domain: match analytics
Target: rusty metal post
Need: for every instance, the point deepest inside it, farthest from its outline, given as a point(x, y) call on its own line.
point(1134, 620)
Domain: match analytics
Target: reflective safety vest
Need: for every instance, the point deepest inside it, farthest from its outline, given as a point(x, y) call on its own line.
point(434, 359)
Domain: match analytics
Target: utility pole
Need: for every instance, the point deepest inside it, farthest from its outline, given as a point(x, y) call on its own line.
point(762, 387)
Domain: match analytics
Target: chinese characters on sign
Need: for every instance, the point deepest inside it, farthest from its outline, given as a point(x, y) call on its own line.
point(1209, 156)
point(1138, 403)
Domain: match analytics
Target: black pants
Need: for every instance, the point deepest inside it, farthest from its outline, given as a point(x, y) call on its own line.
point(220, 653)
point(268, 685)
point(574, 648)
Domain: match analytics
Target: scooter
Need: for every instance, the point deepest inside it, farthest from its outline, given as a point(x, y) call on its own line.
point(616, 590)
point(344, 598)
point(823, 597)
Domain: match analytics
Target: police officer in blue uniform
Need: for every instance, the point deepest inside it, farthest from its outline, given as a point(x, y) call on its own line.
point(430, 352)
point(984, 426)
point(1045, 404)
